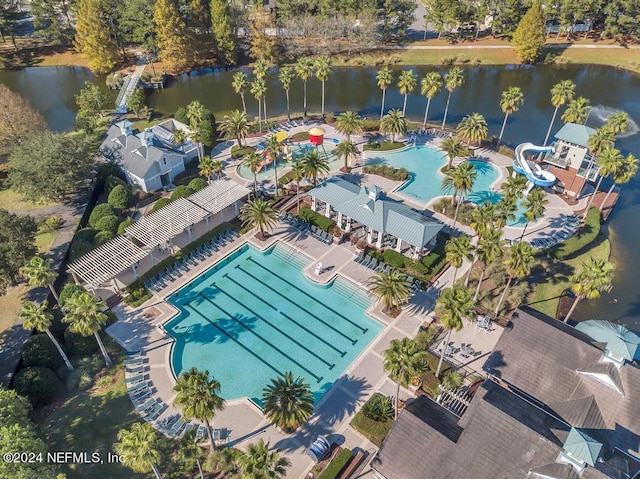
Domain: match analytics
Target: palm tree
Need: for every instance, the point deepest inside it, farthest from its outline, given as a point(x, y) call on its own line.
point(561, 93)
point(190, 451)
point(288, 403)
point(273, 148)
point(38, 318)
point(304, 71)
point(395, 123)
point(349, 123)
point(259, 90)
point(196, 136)
point(298, 174)
point(198, 397)
point(286, 77)
point(506, 210)
point(85, 317)
point(483, 218)
point(457, 250)
point(179, 137)
point(618, 122)
point(430, 86)
point(623, 175)
point(609, 161)
point(403, 360)
point(510, 102)
point(260, 463)
point(259, 213)
point(346, 150)
point(235, 126)
point(314, 165)
point(240, 85)
point(253, 161)
point(392, 289)
point(461, 179)
point(452, 80)
point(473, 128)
point(577, 111)
point(594, 278)
point(195, 114)
point(535, 206)
point(407, 82)
point(514, 186)
point(260, 70)
point(453, 305)
point(488, 250)
point(218, 169)
point(206, 168)
point(140, 448)
point(518, 264)
point(384, 79)
point(323, 70)
point(39, 274)
point(601, 140)
point(453, 148)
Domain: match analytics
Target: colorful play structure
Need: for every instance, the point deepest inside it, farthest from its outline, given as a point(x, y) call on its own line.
point(532, 171)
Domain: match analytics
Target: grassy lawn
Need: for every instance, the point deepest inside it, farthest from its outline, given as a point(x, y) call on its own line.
point(10, 304)
point(44, 241)
point(546, 296)
point(375, 431)
point(12, 200)
point(90, 421)
point(237, 152)
point(587, 234)
point(383, 146)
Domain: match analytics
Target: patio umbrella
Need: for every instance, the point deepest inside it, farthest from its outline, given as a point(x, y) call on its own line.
point(281, 136)
point(619, 339)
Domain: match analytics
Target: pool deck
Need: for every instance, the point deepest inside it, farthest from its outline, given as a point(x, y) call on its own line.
point(140, 329)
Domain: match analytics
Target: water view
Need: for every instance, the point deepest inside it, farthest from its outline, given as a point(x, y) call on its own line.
point(608, 89)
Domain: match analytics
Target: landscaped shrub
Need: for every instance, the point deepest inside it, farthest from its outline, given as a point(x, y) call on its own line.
point(286, 178)
point(322, 222)
point(37, 384)
point(102, 237)
point(138, 294)
point(585, 236)
point(426, 336)
point(82, 243)
point(336, 465)
point(432, 363)
point(379, 408)
point(329, 118)
point(80, 345)
point(53, 223)
point(98, 212)
point(119, 197)
point(123, 225)
point(161, 203)
point(112, 181)
point(393, 258)
point(108, 223)
point(197, 184)
point(375, 431)
point(370, 125)
point(300, 136)
point(181, 115)
point(430, 383)
point(386, 171)
point(181, 191)
point(237, 152)
point(39, 350)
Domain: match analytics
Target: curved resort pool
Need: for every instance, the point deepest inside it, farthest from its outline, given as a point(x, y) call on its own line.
point(298, 151)
point(424, 163)
point(253, 316)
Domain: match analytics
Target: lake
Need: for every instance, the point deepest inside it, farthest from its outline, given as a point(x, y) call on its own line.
point(52, 91)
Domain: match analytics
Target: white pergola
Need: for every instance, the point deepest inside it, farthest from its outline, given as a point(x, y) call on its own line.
point(107, 261)
point(220, 194)
point(161, 227)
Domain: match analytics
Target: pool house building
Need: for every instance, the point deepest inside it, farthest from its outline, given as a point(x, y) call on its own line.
point(386, 222)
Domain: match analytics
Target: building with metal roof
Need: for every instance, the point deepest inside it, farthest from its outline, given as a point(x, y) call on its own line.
point(543, 413)
point(380, 215)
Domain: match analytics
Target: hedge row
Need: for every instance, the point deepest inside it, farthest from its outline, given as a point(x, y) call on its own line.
point(386, 171)
point(336, 465)
point(322, 222)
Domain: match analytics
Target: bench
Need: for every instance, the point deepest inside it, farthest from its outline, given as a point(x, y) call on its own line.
point(352, 466)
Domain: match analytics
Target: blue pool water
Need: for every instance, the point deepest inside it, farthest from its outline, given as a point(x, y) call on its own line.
point(254, 316)
point(424, 165)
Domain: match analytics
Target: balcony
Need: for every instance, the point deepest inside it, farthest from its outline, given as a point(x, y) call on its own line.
point(561, 161)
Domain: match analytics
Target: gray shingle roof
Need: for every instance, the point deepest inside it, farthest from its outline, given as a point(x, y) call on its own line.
point(371, 208)
point(575, 134)
point(580, 412)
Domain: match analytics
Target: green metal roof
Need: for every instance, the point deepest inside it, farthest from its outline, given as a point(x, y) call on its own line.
point(582, 446)
point(371, 208)
point(575, 134)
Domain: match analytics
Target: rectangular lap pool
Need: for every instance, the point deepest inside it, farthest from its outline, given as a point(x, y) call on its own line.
point(254, 316)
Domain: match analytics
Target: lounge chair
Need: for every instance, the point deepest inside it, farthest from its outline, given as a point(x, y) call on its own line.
point(381, 266)
point(134, 361)
point(366, 261)
point(134, 379)
point(387, 269)
point(360, 257)
point(136, 369)
point(143, 407)
point(374, 264)
point(177, 428)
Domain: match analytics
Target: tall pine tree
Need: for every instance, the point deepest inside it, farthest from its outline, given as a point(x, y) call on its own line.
point(200, 28)
point(93, 39)
point(223, 32)
point(174, 45)
point(528, 39)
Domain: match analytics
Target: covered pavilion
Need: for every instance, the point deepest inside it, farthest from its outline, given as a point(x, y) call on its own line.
point(381, 216)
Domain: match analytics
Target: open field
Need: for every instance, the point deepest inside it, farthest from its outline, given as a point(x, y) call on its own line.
point(11, 304)
point(11, 200)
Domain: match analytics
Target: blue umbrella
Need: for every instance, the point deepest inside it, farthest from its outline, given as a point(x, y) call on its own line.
point(620, 340)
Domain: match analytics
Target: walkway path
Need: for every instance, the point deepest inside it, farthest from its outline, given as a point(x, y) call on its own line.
point(130, 85)
point(565, 46)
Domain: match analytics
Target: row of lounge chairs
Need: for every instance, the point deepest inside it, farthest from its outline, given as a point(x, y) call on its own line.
point(288, 125)
point(570, 227)
point(197, 255)
point(431, 132)
point(305, 227)
point(382, 267)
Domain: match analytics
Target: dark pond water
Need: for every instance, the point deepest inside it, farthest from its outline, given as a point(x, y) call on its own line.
point(51, 90)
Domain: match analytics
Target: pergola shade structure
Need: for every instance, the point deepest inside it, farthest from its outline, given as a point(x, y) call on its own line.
point(107, 261)
point(376, 212)
point(165, 224)
point(220, 194)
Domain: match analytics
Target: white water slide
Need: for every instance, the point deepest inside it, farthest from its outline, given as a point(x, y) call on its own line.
point(531, 170)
